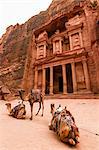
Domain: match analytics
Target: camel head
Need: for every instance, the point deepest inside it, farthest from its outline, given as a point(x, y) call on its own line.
point(21, 91)
point(8, 107)
point(21, 94)
point(52, 109)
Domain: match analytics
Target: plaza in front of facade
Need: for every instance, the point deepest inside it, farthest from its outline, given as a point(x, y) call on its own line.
point(35, 135)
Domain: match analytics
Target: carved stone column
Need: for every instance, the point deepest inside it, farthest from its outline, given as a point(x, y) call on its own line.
point(71, 43)
point(37, 54)
point(36, 78)
point(74, 77)
point(53, 47)
point(44, 50)
point(43, 80)
point(64, 79)
point(81, 39)
point(51, 80)
point(60, 45)
point(86, 74)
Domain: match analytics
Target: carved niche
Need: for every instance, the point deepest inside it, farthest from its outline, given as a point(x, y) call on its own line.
point(41, 45)
point(40, 51)
point(42, 36)
point(76, 41)
point(57, 47)
point(74, 28)
point(57, 43)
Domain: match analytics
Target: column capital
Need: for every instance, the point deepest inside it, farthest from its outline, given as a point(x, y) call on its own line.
point(36, 68)
point(84, 58)
point(43, 67)
point(73, 62)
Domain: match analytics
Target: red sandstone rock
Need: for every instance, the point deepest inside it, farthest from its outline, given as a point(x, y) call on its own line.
point(18, 46)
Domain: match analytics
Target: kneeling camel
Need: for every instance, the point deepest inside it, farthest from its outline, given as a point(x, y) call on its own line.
point(63, 123)
point(18, 111)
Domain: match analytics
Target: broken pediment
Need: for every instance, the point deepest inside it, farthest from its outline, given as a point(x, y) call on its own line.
point(42, 35)
point(73, 21)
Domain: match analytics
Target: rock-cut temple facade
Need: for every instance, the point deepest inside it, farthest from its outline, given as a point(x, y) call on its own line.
point(66, 52)
point(63, 48)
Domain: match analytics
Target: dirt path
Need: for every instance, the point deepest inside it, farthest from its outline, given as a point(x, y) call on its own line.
point(35, 135)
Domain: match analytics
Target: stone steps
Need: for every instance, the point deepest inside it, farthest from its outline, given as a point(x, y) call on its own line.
point(73, 96)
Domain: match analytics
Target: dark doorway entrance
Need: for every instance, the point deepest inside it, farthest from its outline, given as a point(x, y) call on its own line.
point(69, 78)
point(58, 79)
point(60, 84)
point(47, 89)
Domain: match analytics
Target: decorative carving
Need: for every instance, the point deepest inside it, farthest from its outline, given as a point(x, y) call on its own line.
point(40, 52)
point(73, 21)
point(42, 35)
point(93, 4)
point(57, 32)
point(76, 41)
point(41, 46)
point(57, 47)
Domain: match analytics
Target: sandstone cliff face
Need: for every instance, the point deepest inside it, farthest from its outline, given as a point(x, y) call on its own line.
point(12, 57)
point(16, 44)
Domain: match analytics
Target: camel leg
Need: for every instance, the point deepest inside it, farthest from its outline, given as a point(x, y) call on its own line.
point(31, 105)
point(39, 108)
point(42, 107)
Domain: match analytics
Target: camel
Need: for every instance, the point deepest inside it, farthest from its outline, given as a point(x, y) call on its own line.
point(18, 111)
point(34, 96)
point(63, 123)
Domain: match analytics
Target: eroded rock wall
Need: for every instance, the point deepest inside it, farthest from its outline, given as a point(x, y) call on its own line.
point(16, 46)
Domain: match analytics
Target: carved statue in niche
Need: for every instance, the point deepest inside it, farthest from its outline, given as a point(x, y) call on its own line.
point(41, 51)
point(57, 31)
point(42, 35)
point(76, 41)
point(57, 47)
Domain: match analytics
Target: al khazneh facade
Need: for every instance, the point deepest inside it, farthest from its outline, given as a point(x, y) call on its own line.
point(65, 49)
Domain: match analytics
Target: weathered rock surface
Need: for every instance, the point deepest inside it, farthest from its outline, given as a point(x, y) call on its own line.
point(16, 43)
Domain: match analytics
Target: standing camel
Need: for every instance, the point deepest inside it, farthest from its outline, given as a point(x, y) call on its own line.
point(34, 96)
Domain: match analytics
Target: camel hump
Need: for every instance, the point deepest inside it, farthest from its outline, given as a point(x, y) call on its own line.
point(36, 94)
point(36, 91)
point(18, 111)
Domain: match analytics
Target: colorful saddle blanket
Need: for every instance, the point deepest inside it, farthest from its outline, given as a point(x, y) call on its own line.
point(18, 111)
point(64, 125)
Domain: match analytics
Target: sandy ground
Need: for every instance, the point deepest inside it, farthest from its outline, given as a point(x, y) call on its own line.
point(35, 135)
